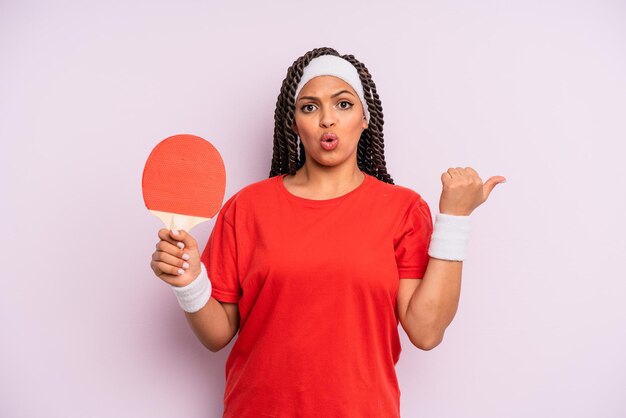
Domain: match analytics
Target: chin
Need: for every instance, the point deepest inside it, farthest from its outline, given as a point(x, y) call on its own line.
point(332, 162)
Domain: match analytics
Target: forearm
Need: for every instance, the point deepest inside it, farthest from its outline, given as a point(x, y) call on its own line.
point(211, 325)
point(434, 302)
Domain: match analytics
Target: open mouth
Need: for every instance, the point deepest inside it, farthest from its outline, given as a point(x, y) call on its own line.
point(329, 141)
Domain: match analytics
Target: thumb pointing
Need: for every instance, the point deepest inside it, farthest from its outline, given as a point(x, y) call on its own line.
point(491, 183)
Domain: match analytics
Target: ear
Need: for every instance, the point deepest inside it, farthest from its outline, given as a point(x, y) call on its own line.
point(365, 124)
point(295, 128)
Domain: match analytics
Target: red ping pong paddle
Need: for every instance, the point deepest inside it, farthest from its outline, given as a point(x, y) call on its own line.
point(184, 181)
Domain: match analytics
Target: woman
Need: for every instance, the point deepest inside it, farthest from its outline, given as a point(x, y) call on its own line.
point(317, 265)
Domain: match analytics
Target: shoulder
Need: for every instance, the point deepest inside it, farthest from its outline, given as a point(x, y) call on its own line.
point(249, 195)
point(400, 195)
point(257, 189)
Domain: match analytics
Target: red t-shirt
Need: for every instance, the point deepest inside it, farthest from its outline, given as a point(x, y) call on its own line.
point(316, 282)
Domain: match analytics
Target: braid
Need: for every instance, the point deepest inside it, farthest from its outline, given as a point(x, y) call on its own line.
point(289, 153)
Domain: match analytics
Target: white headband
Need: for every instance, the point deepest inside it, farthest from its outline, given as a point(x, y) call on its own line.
point(338, 67)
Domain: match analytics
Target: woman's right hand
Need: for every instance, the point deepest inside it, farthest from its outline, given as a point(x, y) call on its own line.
point(170, 260)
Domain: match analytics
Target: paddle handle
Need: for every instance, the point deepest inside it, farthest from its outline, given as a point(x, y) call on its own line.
point(178, 221)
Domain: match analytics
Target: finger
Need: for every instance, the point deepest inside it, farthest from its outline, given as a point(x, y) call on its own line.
point(170, 248)
point(470, 170)
point(490, 184)
point(178, 278)
point(168, 278)
point(155, 268)
point(170, 259)
point(453, 172)
point(183, 237)
point(164, 234)
point(169, 269)
point(174, 279)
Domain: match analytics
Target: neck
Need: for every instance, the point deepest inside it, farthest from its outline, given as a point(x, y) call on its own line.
point(328, 182)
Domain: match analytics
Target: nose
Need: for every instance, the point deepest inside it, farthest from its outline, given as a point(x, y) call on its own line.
point(327, 117)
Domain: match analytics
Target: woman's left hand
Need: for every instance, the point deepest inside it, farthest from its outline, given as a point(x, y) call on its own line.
point(463, 191)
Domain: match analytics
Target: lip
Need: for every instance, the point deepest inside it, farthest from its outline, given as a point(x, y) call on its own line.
point(328, 135)
point(329, 141)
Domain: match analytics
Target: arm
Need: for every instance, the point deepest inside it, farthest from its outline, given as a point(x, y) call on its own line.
point(177, 262)
point(426, 307)
point(215, 324)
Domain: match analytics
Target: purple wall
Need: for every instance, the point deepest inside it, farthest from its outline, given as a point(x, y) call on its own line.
point(532, 90)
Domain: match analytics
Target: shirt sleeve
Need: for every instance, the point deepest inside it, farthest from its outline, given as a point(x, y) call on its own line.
point(220, 259)
point(412, 239)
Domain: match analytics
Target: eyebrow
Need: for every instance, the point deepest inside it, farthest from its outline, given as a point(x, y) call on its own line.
point(317, 98)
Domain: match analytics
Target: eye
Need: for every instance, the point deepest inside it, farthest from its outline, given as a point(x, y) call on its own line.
point(349, 105)
point(307, 108)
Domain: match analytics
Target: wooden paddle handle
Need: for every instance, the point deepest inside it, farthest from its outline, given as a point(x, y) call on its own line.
point(178, 221)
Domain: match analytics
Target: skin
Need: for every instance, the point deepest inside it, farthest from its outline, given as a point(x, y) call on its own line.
point(426, 307)
point(217, 322)
point(327, 174)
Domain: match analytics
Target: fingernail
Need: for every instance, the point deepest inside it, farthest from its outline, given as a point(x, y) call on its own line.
point(175, 231)
point(181, 271)
point(185, 265)
point(185, 256)
point(180, 245)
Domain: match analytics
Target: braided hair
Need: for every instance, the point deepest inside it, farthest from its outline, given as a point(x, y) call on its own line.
point(289, 153)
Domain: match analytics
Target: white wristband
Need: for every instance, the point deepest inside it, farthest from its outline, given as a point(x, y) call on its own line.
point(450, 237)
point(196, 294)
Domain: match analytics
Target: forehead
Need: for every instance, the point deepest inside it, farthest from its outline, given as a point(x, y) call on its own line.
point(324, 85)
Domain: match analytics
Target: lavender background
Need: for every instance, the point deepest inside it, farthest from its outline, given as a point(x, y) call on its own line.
point(532, 90)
